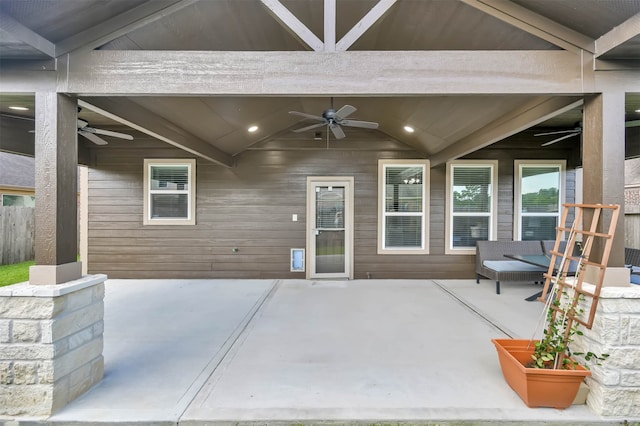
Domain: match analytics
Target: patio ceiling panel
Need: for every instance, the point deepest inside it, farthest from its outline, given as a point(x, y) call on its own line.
point(192, 30)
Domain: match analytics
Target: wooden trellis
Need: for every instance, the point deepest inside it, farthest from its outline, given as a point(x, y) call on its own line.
point(577, 258)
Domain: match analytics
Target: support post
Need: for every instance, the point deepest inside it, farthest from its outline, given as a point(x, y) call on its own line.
point(51, 328)
point(56, 155)
point(603, 147)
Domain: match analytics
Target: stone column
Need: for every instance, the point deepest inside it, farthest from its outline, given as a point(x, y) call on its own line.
point(614, 388)
point(50, 344)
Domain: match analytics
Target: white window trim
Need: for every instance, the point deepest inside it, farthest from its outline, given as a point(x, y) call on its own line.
point(493, 215)
point(191, 192)
point(382, 165)
point(517, 196)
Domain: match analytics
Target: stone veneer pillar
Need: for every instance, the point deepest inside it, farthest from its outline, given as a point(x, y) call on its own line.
point(50, 344)
point(614, 388)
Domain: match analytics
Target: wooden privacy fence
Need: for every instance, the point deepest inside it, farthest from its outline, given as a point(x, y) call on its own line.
point(17, 234)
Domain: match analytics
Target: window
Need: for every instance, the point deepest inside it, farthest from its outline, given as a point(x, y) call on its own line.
point(18, 200)
point(169, 192)
point(402, 200)
point(539, 194)
point(471, 204)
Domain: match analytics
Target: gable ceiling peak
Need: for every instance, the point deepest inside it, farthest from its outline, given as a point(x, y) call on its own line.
point(304, 34)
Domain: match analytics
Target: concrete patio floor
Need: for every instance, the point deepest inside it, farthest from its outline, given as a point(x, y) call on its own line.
point(196, 352)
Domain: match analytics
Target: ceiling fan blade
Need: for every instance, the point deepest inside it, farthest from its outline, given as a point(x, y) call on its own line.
point(313, 126)
point(632, 123)
point(108, 133)
point(560, 138)
point(558, 132)
point(344, 112)
point(358, 123)
point(305, 115)
point(93, 138)
point(337, 131)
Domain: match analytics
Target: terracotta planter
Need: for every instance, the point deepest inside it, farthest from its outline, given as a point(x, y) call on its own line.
point(537, 387)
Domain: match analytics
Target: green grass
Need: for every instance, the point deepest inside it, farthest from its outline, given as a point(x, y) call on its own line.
point(16, 273)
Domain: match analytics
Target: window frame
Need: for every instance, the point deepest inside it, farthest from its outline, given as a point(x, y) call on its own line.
point(517, 192)
point(3, 194)
point(382, 214)
point(190, 163)
point(493, 214)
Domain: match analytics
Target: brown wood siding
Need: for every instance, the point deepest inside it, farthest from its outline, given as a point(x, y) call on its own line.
point(249, 207)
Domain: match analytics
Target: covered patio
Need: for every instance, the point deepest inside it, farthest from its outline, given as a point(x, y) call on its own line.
point(186, 80)
point(296, 351)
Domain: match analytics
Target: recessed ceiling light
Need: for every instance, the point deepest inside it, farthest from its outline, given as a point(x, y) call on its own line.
point(19, 108)
point(252, 129)
point(409, 129)
point(638, 110)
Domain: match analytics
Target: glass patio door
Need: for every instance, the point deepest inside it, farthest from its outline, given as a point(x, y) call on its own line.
point(329, 222)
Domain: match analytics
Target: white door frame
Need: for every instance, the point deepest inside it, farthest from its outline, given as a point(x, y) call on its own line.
point(312, 183)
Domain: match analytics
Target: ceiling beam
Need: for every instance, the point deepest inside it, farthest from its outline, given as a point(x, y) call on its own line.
point(529, 114)
point(105, 72)
point(617, 80)
point(364, 24)
point(330, 25)
point(133, 115)
point(617, 65)
point(619, 35)
point(21, 33)
point(535, 24)
point(293, 24)
point(26, 81)
point(119, 25)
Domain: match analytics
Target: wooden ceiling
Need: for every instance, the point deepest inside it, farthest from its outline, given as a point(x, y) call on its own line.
point(37, 33)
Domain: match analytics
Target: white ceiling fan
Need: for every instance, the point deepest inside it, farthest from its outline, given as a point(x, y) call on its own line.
point(334, 120)
point(566, 134)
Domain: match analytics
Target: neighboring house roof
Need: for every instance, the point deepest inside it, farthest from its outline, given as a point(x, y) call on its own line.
point(17, 170)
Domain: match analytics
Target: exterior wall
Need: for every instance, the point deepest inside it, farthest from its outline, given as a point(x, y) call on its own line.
point(523, 146)
point(250, 207)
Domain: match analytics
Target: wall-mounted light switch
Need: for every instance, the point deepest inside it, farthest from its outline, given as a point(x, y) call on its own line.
point(294, 217)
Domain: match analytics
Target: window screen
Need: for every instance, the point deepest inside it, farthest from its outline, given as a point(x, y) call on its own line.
point(539, 200)
point(404, 207)
point(471, 197)
point(170, 191)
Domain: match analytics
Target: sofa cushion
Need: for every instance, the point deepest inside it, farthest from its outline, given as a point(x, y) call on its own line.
point(511, 266)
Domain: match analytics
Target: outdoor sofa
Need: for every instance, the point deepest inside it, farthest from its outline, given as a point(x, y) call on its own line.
point(632, 261)
point(492, 263)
